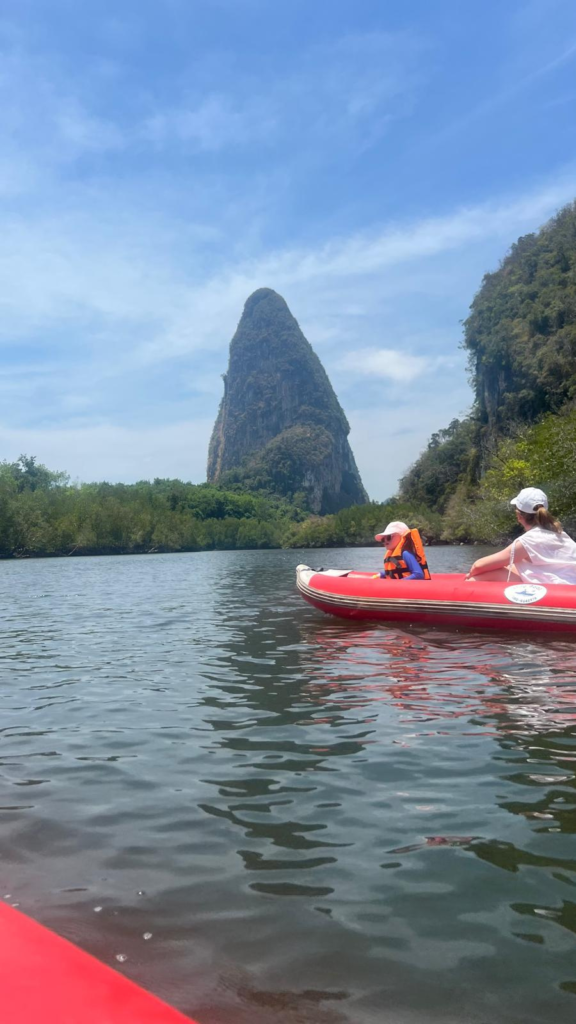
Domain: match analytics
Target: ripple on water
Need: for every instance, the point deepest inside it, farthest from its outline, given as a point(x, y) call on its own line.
point(265, 814)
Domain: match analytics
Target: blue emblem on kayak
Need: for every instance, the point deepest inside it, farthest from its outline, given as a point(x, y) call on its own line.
point(525, 593)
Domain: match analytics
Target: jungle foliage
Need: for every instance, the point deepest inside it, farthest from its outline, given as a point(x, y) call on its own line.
point(543, 454)
point(521, 332)
point(277, 468)
point(521, 341)
point(43, 514)
point(449, 458)
point(356, 526)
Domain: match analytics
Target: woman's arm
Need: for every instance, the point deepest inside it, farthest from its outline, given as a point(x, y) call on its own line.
point(499, 560)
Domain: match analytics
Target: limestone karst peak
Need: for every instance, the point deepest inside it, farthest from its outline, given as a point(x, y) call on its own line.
point(280, 425)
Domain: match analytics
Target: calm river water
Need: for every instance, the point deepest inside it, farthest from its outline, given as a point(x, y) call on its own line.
point(264, 814)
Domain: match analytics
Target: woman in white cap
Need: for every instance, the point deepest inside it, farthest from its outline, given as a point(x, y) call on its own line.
point(544, 554)
point(404, 558)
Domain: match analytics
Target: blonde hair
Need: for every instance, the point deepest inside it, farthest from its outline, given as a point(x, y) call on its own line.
point(542, 518)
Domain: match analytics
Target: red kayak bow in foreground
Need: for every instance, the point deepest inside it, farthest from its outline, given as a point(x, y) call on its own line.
point(46, 980)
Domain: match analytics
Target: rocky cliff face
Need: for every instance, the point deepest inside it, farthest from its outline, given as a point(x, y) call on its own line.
point(521, 332)
point(280, 425)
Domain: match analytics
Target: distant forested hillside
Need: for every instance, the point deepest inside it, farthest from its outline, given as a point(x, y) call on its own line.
point(521, 341)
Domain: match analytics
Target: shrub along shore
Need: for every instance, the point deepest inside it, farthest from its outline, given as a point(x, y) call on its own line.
point(43, 514)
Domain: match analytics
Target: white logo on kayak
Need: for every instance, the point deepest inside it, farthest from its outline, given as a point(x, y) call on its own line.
point(524, 593)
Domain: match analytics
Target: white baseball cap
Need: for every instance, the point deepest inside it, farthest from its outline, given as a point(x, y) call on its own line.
point(529, 499)
point(393, 527)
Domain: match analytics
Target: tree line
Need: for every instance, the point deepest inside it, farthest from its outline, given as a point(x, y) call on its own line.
point(43, 514)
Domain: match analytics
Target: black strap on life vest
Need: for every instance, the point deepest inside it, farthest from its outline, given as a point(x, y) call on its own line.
point(396, 568)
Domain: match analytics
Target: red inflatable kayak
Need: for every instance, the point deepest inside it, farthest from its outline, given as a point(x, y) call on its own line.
point(445, 600)
point(46, 980)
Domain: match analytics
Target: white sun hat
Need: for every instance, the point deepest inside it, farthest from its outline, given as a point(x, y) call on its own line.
point(529, 499)
point(394, 527)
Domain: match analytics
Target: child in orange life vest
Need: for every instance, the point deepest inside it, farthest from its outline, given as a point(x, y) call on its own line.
point(404, 558)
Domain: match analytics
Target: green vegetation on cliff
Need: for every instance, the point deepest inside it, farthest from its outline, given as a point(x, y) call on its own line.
point(277, 468)
point(449, 457)
point(521, 332)
point(293, 465)
point(543, 454)
point(521, 341)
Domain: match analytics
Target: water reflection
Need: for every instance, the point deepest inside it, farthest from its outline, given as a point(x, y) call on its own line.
point(312, 821)
point(521, 693)
point(484, 725)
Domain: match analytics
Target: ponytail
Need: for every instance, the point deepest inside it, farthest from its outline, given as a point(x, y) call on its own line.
point(544, 519)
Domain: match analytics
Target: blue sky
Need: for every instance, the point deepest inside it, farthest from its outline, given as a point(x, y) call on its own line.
point(161, 159)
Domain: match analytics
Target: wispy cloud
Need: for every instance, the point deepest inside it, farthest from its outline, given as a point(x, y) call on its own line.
point(388, 438)
point(504, 96)
point(390, 364)
point(119, 282)
point(45, 122)
point(81, 132)
point(214, 122)
point(358, 79)
point(356, 83)
point(216, 301)
point(148, 189)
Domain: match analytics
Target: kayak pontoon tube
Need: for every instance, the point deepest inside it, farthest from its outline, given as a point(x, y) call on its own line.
point(446, 600)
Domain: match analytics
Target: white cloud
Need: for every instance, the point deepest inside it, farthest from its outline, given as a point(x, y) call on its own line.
point(354, 84)
point(139, 290)
point(213, 305)
point(389, 363)
point(114, 453)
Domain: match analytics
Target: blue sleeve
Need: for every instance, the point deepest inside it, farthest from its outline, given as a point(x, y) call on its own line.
point(413, 564)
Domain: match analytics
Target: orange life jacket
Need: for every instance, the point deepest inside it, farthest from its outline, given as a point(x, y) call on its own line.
point(394, 565)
